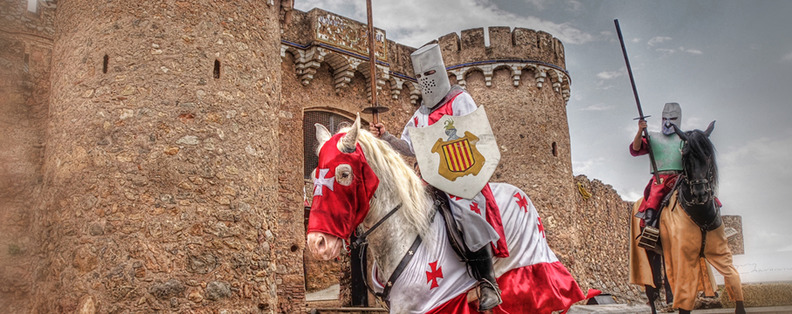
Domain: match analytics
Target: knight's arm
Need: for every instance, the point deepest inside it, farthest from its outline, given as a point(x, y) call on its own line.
point(400, 145)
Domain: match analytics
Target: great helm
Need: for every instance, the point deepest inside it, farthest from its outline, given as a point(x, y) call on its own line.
point(672, 113)
point(431, 74)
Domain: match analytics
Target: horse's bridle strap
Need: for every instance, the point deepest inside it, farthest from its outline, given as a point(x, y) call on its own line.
point(362, 238)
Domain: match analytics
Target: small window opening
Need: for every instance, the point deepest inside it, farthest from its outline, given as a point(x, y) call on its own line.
point(32, 6)
point(105, 60)
point(555, 149)
point(27, 63)
point(217, 69)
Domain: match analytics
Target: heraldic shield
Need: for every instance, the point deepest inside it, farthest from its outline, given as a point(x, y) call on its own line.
point(457, 154)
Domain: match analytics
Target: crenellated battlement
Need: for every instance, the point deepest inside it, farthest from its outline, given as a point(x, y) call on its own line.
point(518, 50)
point(504, 44)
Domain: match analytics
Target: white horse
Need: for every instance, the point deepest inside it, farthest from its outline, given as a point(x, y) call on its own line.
point(358, 183)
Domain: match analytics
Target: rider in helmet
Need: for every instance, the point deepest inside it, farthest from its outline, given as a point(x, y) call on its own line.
point(666, 147)
point(439, 98)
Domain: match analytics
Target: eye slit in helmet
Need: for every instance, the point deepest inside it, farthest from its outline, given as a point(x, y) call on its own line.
point(343, 174)
point(430, 72)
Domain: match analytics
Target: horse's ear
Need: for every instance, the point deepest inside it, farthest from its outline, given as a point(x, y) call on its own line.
point(322, 135)
point(679, 132)
point(347, 143)
point(709, 129)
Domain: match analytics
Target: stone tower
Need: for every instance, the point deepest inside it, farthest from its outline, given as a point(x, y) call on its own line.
point(159, 185)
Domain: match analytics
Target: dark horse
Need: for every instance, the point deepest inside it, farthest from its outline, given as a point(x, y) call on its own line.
point(691, 231)
point(697, 186)
point(694, 236)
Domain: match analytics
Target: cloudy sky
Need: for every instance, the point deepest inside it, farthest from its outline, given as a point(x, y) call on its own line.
point(729, 61)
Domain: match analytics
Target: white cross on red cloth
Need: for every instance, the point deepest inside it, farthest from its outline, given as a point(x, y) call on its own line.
point(321, 181)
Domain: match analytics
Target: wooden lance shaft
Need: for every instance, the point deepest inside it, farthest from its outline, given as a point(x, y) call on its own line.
point(638, 103)
point(374, 109)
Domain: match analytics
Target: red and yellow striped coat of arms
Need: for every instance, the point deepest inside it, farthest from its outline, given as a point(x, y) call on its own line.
point(458, 157)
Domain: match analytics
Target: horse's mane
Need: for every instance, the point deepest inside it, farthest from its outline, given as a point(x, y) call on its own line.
point(699, 146)
point(398, 179)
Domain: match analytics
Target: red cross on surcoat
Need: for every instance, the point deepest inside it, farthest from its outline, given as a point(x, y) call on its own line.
point(474, 207)
point(437, 272)
point(522, 201)
point(541, 226)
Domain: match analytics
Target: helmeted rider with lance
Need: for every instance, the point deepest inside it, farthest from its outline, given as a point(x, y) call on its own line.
point(482, 231)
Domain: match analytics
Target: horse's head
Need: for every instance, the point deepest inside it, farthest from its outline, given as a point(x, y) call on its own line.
point(343, 185)
point(698, 161)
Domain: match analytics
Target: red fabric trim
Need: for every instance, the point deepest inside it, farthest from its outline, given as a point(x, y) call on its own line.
point(539, 288)
point(457, 305)
point(654, 193)
point(494, 219)
point(446, 109)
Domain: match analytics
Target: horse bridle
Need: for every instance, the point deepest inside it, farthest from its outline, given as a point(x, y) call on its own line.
point(362, 242)
point(698, 182)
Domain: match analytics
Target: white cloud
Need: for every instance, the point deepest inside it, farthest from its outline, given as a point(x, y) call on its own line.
point(598, 107)
point(666, 51)
point(657, 40)
point(609, 75)
point(691, 51)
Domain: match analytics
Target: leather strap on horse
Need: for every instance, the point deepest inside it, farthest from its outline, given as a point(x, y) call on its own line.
point(361, 240)
point(362, 243)
point(452, 231)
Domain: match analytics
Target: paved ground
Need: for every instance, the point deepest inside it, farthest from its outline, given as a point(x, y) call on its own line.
point(331, 293)
point(624, 308)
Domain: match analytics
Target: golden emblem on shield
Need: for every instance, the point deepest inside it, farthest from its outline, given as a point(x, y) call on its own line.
point(458, 155)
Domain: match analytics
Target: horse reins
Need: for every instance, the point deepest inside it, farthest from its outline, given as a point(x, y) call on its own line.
point(362, 243)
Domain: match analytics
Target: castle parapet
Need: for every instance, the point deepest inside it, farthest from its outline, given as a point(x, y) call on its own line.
point(319, 36)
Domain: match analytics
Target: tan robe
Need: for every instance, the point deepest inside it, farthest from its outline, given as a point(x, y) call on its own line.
point(687, 272)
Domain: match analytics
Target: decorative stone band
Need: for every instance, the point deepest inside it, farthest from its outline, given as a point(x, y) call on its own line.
point(308, 59)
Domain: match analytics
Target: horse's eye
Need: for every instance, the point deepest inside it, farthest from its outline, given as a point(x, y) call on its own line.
point(343, 174)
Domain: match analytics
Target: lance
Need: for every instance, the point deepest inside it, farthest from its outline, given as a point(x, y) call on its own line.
point(638, 103)
point(375, 108)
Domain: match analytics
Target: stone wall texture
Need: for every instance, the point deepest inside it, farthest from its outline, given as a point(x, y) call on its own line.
point(153, 152)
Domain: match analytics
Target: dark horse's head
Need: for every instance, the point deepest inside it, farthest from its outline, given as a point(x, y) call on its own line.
point(697, 189)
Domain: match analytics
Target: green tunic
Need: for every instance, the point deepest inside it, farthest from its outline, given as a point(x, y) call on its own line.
point(667, 150)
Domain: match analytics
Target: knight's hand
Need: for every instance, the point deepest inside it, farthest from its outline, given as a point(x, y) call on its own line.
point(641, 125)
point(378, 129)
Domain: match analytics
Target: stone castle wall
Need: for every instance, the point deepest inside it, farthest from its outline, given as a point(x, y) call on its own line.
point(160, 188)
point(157, 150)
point(25, 53)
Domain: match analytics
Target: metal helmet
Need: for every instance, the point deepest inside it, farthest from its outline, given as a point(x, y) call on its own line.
point(431, 74)
point(672, 113)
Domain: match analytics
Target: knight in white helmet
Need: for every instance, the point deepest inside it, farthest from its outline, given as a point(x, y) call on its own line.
point(440, 98)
